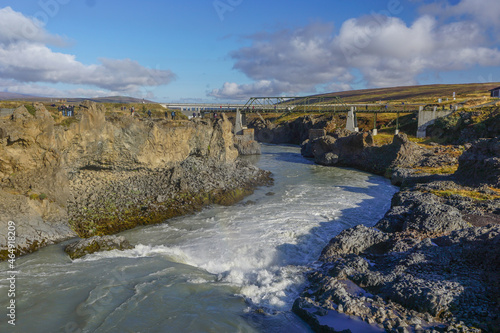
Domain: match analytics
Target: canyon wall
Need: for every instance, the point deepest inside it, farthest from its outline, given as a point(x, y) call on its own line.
point(52, 174)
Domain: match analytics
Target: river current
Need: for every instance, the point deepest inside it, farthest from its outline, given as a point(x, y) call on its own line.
point(224, 269)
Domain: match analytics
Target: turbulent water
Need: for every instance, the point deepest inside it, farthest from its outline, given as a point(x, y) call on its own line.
point(225, 269)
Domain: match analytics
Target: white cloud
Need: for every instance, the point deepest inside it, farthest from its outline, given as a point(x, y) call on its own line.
point(34, 89)
point(298, 57)
point(397, 53)
point(484, 12)
point(385, 51)
point(26, 58)
point(15, 27)
point(240, 92)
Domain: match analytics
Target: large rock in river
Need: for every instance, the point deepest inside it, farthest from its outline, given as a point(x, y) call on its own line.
point(94, 244)
point(357, 150)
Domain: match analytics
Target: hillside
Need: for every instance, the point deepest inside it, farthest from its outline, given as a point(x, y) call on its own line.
point(415, 94)
point(111, 99)
point(7, 96)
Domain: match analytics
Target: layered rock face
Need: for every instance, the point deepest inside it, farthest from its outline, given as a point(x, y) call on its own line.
point(51, 174)
point(357, 150)
point(294, 132)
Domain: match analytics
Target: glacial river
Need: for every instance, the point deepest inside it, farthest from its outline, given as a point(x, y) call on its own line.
point(224, 269)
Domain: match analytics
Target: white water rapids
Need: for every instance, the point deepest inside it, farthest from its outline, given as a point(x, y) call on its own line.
point(224, 269)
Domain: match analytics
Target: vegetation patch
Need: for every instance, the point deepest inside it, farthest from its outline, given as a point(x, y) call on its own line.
point(475, 195)
point(382, 139)
point(19, 251)
point(36, 196)
point(441, 170)
point(31, 109)
point(67, 121)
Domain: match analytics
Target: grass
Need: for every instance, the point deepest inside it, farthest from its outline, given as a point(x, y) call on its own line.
point(383, 139)
point(418, 94)
point(31, 109)
point(441, 170)
point(35, 196)
point(476, 195)
point(67, 121)
point(10, 104)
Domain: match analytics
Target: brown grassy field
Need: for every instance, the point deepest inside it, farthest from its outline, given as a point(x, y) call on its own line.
point(416, 94)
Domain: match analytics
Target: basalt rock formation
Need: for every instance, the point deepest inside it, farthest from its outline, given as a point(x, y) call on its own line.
point(293, 132)
point(97, 174)
point(431, 263)
point(357, 150)
point(480, 164)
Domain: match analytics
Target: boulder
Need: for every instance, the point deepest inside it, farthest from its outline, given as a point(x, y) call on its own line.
point(95, 244)
point(480, 164)
point(435, 219)
point(421, 212)
point(353, 240)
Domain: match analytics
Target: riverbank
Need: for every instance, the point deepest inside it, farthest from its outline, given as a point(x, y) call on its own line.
point(100, 173)
point(432, 263)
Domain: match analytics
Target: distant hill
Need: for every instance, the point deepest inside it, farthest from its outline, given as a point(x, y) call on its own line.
point(7, 96)
point(4, 96)
point(111, 99)
point(414, 93)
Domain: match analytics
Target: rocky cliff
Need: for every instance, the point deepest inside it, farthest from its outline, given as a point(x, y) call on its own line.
point(92, 175)
point(293, 132)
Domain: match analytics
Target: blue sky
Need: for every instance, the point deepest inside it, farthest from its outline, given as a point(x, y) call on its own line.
point(230, 50)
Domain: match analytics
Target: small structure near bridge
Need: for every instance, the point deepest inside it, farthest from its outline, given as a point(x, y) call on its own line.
point(495, 92)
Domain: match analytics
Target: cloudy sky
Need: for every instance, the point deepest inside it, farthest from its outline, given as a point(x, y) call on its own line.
point(230, 50)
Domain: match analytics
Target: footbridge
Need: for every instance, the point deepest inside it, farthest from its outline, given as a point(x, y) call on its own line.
point(324, 104)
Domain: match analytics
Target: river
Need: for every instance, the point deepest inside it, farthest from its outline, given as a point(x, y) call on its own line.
point(224, 269)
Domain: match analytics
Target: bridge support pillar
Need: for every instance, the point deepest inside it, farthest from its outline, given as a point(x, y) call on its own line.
point(426, 118)
point(352, 121)
point(238, 124)
point(397, 124)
